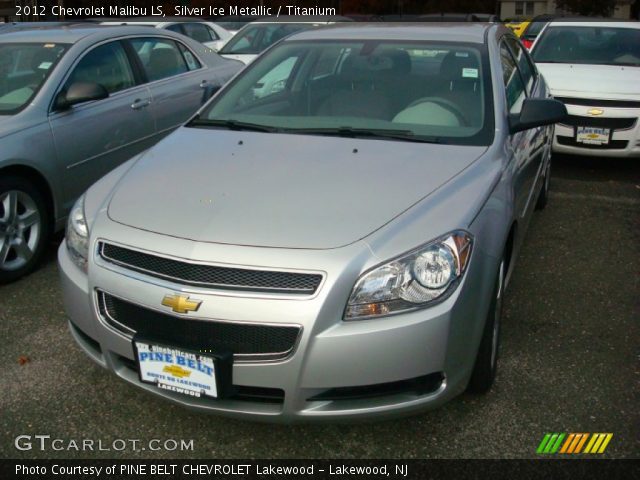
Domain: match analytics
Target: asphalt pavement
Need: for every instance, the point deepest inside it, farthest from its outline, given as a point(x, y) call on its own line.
point(570, 359)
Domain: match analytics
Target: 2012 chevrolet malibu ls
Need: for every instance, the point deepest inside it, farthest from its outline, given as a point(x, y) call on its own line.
point(335, 249)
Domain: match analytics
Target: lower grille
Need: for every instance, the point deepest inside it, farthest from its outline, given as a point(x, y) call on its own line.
point(246, 341)
point(415, 386)
point(612, 145)
point(211, 276)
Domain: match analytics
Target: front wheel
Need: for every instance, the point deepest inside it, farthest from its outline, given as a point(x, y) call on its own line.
point(484, 370)
point(24, 227)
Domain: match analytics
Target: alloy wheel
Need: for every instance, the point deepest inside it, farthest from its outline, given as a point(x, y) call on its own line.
point(20, 229)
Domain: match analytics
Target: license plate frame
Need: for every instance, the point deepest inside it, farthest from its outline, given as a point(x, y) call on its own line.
point(593, 135)
point(198, 375)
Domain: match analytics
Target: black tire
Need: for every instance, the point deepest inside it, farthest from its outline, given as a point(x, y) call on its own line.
point(543, 198)
point(484, 370)
point(25, 228)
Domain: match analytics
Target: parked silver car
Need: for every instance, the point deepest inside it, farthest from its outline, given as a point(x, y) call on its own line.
point(209, 34)
point(75, 102)
point(336, 249)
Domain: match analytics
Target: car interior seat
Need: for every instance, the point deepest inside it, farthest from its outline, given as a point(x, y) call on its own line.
point(455, 98)
point(357, 94)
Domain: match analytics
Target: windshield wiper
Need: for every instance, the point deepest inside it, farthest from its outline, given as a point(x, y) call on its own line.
point(231, 125)
point(404, 135)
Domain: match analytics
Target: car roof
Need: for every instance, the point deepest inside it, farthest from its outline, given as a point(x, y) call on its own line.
point(452, 32)
point(303, 19)
point(155, 20)
point(72, 33)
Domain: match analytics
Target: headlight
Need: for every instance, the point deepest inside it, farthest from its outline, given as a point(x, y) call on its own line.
point(413, 280)
point(77, 236)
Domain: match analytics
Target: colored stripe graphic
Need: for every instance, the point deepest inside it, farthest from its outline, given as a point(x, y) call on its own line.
point(555, 443)
point(598, 442)
point(543, 443)
point(581, 443)
point(550, 443)
point(607, 439)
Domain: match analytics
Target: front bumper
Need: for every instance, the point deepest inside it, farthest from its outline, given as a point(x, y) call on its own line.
point(339, 370)
point(624, 140)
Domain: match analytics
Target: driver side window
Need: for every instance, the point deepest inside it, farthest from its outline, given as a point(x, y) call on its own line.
point(514, 87)
point(106, 65)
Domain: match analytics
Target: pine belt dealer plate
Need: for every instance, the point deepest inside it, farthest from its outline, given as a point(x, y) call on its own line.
point(176, 370)
point(593, 135)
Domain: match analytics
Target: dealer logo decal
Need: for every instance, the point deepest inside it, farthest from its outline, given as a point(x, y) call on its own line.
point(573, 443)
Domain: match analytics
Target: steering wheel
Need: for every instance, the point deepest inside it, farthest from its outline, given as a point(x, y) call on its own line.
point(447, 105)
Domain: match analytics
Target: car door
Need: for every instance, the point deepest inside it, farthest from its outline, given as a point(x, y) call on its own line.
point(535, 88)
point(94, 137)
point(177, 79)
point(522, 144)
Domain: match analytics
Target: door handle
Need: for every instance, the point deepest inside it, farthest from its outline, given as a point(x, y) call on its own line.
point(204, 84)
point(139, 103)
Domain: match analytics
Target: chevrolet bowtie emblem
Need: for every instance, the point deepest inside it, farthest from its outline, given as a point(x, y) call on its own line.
point(595, 111)
point(181, 303)
point(176, 371)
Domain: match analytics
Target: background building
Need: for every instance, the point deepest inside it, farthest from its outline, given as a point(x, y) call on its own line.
point(526, 9)
point(7, 10)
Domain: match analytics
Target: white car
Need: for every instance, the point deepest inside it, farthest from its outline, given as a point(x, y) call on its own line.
point(255, 37)
point(594, 68)
point(207, 33)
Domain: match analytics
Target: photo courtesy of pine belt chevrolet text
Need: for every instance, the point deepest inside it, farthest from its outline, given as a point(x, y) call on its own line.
point(335, 246)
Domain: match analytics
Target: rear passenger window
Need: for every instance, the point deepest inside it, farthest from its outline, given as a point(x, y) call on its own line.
point(512, 81)
point(161, 58)
point(524, 64)
point(190, 58)
point(107, 65)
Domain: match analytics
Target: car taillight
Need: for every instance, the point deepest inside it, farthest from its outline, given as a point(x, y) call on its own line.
point(527, 43)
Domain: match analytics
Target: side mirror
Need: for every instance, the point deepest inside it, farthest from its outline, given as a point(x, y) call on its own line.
point(208, 92)
point(80, 92)
point(537, 112)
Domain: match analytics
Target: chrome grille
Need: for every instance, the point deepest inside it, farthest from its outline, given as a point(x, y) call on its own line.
point(211, 276)
point(617, 123)
point(246, 341)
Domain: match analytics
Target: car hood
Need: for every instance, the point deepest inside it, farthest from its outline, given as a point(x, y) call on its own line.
point(593, 81)
point(277, 190)
point(246, 58)
point(10, 124)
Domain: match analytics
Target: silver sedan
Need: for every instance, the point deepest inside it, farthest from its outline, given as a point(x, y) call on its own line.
point(337, 248)
point(77, 101)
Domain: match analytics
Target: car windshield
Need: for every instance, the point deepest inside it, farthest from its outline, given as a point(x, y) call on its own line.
point(257, 37)
point(23, 70)
point(589, 45)
point(413, 91)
